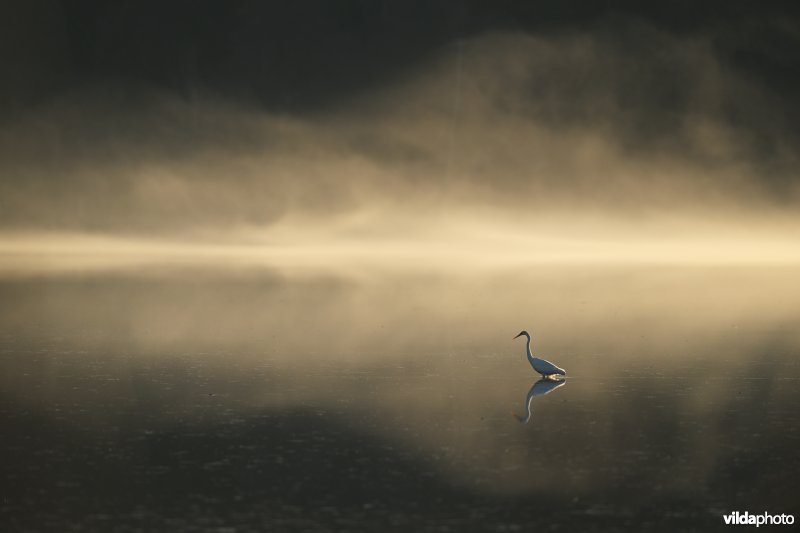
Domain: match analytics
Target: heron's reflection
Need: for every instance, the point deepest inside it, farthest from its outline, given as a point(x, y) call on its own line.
point(541, 387)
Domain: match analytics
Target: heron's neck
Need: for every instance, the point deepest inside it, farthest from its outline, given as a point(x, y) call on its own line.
point(528, 345)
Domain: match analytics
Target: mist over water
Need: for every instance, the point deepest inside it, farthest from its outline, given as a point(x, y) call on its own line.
point(563, 130)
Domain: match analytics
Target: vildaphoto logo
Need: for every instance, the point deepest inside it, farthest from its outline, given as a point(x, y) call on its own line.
point(764, 519)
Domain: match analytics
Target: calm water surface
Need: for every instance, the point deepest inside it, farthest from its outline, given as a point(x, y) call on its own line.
point(247, 401)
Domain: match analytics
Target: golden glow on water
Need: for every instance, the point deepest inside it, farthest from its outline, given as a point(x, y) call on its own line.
point(456, 244)
point(426, 362)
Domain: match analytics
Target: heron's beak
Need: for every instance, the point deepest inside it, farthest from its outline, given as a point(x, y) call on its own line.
point(512, 338)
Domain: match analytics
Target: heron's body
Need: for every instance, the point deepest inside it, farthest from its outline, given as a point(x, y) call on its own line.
point(542, 366)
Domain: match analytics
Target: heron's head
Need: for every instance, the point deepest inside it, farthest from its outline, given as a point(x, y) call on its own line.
point(523, 332)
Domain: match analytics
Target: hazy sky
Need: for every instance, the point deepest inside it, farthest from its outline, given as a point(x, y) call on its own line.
point(311, 53)
point(164, 118)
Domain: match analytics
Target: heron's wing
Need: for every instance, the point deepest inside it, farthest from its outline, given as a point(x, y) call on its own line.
point(546, 367)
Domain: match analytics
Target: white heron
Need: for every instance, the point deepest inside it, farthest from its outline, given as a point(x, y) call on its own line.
point(540, 388)
point(543, 367)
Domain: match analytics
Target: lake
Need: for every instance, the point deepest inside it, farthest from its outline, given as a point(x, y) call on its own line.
point(192, 399)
